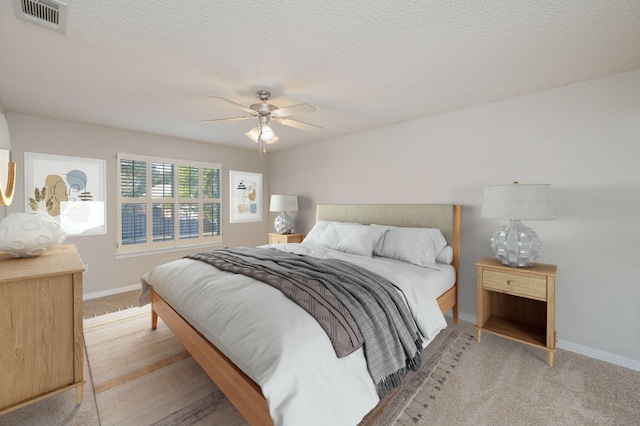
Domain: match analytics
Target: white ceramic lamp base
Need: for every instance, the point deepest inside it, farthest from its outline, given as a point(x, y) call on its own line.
point(283, 223)
point(516, 245)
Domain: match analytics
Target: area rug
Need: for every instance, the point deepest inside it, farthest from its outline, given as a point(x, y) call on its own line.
point(443, 349)
point(430, 394)
point(146, 377)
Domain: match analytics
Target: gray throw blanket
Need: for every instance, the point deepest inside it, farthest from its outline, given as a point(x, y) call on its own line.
point(392, 342)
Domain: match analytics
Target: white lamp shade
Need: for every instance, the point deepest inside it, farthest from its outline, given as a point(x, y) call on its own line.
point(518, 201)
point(283, 203)
point(267, 133)
point(254, 134)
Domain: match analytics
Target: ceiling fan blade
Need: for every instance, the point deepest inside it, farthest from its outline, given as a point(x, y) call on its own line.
point(234, 104)
point(292, 110)
point(299, 125)
point(254, 134)
point(227, 119)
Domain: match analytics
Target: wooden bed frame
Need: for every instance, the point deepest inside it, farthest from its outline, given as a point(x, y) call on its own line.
point(241, 390)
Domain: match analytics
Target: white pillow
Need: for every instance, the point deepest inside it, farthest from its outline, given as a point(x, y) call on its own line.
point(316, 232)
point(351, 238)
point(445, 256)
point(419, 246)
point(318, 229)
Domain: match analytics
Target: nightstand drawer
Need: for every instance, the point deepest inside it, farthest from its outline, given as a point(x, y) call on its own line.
point(519, 285)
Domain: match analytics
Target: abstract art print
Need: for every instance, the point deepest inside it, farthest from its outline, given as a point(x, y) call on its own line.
point(245, 197)
point(68, 190)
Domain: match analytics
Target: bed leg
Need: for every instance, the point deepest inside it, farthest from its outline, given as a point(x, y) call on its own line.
point(455, 314)
point(154, 319)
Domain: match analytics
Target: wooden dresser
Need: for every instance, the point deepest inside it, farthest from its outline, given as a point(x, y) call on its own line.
point(41, 338)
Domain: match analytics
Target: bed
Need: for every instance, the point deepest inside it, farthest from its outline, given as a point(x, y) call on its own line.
point(230, 372)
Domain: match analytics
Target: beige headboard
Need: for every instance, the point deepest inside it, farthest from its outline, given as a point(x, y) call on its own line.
point(446, 217)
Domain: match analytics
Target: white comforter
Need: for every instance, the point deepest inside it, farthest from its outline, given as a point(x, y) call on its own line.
point(279, 345)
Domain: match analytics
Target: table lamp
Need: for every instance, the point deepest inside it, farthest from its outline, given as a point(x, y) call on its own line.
point(283, 204)
point(515, 244)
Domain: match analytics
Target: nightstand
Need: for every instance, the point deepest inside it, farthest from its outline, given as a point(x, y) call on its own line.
point(518, 303)
point(285, 238)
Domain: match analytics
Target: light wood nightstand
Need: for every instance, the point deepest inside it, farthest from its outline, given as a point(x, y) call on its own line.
point(285, 238)
point(518, 303)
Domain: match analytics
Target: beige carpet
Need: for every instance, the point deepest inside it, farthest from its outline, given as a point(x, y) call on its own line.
point(502, 382)
point(111, 303)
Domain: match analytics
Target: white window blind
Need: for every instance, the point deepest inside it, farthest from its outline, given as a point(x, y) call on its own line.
point(167, 203)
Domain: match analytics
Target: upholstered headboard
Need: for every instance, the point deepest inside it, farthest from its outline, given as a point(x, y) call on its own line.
point(445, 217)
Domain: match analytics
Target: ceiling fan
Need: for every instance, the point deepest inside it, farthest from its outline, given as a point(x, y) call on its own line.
point(263, 134)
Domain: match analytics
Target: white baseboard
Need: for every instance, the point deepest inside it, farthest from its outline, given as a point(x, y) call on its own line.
point(110, 292)
point(601, 355)
point(587, 351)
point(466, 317)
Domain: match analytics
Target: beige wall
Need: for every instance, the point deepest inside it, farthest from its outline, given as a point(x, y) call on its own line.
point(105, 271)
point(583, 139)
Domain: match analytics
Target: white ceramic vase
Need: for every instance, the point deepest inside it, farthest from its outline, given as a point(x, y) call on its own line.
point(29, 234)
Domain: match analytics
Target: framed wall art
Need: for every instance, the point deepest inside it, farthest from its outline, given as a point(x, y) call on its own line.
point(245, 197)
point(69, 190)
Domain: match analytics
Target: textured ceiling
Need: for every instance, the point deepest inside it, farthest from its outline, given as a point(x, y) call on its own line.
point(151, 66)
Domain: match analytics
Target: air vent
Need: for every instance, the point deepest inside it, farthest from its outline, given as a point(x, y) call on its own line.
point(49, 13)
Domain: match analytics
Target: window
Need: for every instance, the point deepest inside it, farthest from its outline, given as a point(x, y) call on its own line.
point(165, 203)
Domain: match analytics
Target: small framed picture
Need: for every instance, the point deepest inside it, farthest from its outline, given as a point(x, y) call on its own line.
point(245, 197)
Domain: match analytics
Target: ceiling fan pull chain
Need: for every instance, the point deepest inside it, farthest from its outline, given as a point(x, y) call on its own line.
point(262, 146)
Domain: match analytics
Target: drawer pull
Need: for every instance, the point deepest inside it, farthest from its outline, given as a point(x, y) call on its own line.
point(509, 282)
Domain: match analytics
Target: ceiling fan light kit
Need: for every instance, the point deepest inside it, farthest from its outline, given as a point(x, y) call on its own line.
point(267, 133)
point(263, 134)
point(254, 135)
